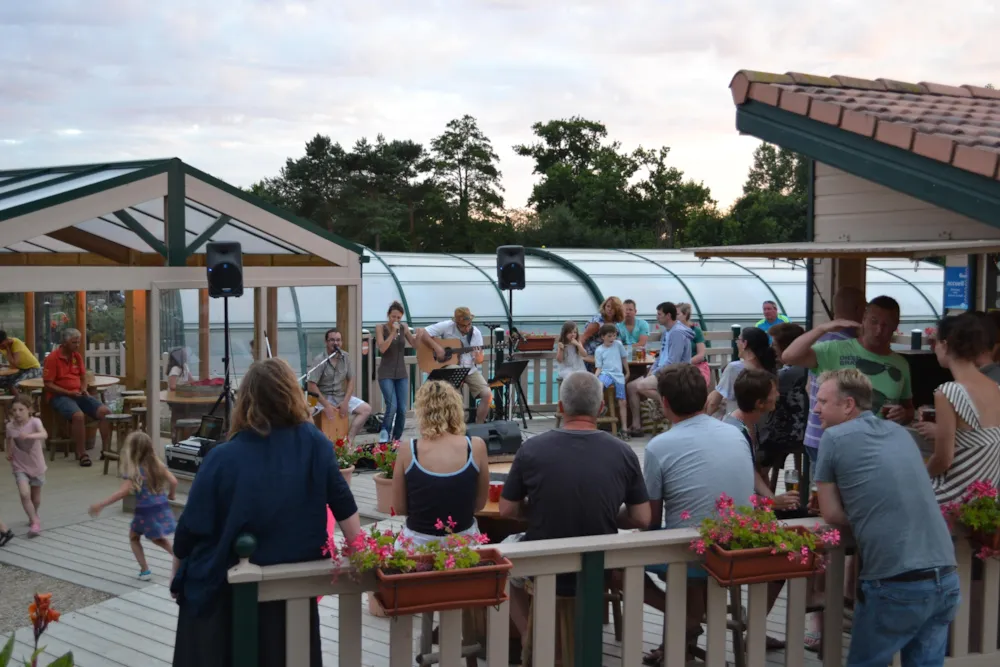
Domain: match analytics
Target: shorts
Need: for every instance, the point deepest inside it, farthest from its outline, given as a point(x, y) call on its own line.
point(352, 405)
point(607, 381)
point(477, 383)
point(67, 406)
point(25, 477)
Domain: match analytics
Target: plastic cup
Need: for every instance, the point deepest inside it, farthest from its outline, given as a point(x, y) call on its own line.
point(495, 491)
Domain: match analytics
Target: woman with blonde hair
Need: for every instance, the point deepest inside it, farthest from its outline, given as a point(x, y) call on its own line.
point(442, 479)
point(612, 311)
point(698, 359)
point(273, 479)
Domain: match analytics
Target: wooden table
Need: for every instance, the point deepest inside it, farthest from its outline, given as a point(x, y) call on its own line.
point(492, 510)
point(490, 522)
point(7, 372)
point(187, 407)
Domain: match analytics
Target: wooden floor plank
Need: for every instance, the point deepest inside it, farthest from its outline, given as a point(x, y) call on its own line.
point(8, 557)
point(140, 629)
point(145, 614)
point(152, 650)
point(73, 562)
point(121, 557)
point(58, 646)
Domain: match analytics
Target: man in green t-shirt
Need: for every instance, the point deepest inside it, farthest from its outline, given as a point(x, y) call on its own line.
point(871, 353)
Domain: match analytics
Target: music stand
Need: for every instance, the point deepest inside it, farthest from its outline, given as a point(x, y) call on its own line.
point(453, 376)
point(509, 373)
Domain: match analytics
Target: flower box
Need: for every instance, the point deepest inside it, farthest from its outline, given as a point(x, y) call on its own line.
point(988, 540)
point(754, 566)
point(383, 493)
point(537, 344)
point(402, 594)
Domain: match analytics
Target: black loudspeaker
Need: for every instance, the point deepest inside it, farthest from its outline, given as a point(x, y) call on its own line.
point(510, 266)
point(502, 437)
point(224, 261)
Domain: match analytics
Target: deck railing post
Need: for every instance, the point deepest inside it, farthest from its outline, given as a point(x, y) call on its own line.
point(590, 605)
point(245, 610)
point(737, 330)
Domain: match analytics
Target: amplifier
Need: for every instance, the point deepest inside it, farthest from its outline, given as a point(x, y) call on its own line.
point(185, 456)
point(502, 437)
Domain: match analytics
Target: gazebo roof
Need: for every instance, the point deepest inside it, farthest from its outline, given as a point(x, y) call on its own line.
point(149, 213)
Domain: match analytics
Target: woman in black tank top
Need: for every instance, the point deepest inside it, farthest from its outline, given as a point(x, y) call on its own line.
point(442, 473)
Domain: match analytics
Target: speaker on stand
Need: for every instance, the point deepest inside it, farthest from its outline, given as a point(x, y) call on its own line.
point(224, 269)
point(511, 276)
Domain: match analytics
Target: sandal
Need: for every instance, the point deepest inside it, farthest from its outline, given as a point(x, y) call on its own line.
point(636, 433)
point(814, 642)
point(6, 537)
point(654, 658)
point(773, 643)
point(85, 461)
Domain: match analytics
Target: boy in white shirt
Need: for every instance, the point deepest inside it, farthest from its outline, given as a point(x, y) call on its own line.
point(611, 367)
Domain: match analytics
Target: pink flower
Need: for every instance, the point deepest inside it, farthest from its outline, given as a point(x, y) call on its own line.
point(791, 557)
point(685, 515)
point(783, 546)
point(805, 550)
point(452, 523)
point(482, 538)
point(392, 511)
point(450, 563)
point(439, 524)
point(830, 537)
point(698, 546)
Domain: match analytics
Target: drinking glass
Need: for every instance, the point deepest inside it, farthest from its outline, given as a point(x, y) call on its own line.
point(791, 480)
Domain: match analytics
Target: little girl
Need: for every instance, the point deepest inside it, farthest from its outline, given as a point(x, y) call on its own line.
point(25, 435)
point(153, 485)
point(570, 353)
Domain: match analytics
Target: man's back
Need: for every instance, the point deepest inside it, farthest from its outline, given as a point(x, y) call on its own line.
point(692, 464)
point(887, 497)
point(575, 482)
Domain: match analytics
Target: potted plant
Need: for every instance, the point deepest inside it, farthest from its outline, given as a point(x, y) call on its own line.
point(979, 512)
point(452, 573)
point(347, 455)
point(532, 342)
point(384, 456)
point(41, 612)
point(746, 544)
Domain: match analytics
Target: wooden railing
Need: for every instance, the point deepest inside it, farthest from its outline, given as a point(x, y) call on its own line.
point(589, 557)
point(105, 358)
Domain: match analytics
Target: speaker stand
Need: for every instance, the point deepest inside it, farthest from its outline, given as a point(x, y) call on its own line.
point(227, 388)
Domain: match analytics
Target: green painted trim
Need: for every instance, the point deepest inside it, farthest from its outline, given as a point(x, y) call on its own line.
point(590, 606)
point(175, 212)
point(307, 225)
point(694, 301)
point(26, 176)
point(79, 193)
point(587, 281)
point(303, 352)
point(54, 181)
point(206, 235)
point(399, 285)
point(934, 310)
point(931, 181)
point(245, 601)
point(156, 244)
point(503, 300)
point(781, 306)
point(127, 164)
point(810, 237)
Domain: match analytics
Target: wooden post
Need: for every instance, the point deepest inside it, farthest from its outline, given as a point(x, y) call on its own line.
point(29, 320)
point(81, 322)
point(135, 339)
point(344, 321)
point(272, 318)
point(259, 323)
point(204, 340)
point(849, 273)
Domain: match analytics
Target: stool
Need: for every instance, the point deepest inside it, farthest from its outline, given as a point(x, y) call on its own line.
point(653, 421)
point(121, 426)
point(184, 429)
point(139, 419)
point(133, 401)
point(566, 623)
point(36, 402)
point(611, 407)
point(132, 392)
point(5, 402)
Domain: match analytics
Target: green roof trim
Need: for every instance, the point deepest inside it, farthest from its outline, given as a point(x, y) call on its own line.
point(587, 281)
point(129, 221)
point(32, 172)
point(694, 301)
point(931, 181)
point(506, 307)
point(307, 225)
point(175, 213)
point(399, 285)
point(206, 235)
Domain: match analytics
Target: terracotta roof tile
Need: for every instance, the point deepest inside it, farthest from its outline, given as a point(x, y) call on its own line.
point(958, 125)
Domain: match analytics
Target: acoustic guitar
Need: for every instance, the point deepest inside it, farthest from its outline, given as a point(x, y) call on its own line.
point(453, 351)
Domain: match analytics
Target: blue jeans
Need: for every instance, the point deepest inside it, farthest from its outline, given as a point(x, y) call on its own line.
point(910, 617)
point(396, 394)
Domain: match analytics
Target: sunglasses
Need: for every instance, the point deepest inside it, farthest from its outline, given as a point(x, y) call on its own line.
point(874, 368)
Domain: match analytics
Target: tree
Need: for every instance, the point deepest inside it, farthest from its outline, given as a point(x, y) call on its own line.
point(465, 165)
point(777, 170)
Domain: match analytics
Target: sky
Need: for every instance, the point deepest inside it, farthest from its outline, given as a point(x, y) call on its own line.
point(234, 87)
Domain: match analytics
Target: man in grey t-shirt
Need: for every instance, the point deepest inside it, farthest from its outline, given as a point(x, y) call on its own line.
point(871, 477)
point(687, 469)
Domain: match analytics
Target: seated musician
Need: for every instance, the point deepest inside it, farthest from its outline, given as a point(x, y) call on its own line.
point(333, 384)
point(19, 357)
point(66, 390)
point(461, 327)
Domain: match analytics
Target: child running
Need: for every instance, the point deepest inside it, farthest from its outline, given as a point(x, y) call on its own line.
point(25, 435)
point(611, 367)
point(153, 485)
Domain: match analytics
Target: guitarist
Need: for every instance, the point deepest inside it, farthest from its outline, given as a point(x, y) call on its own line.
point(460, 326)
point(333, 385)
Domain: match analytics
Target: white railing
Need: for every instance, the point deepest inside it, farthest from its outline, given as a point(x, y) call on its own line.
point(543, 560)
point(105, 358)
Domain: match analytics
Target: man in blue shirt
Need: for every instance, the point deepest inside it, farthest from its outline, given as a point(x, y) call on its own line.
point(675, 348)
point(771, 316)
point(872, 478)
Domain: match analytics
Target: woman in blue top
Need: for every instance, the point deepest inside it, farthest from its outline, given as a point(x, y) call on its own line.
point(442, 479)
point(273, 479)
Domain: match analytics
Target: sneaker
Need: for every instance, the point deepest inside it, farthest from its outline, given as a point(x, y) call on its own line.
point(6, 537)
point(145, 575)
point(35, 530)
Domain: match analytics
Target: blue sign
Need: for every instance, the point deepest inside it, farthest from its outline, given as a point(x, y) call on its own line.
point(956, 287)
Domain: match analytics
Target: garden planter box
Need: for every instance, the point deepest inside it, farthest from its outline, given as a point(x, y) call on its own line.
point(419, 592)
point(346, 474)
point(754, 566)
point(988, 540)
point(383, 493)
point(537, 344)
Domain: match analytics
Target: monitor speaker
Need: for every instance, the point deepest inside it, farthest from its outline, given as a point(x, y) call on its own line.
point(224, 261)
point(510, 267)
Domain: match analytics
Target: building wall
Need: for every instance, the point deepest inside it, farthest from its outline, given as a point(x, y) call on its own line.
point(848, 208)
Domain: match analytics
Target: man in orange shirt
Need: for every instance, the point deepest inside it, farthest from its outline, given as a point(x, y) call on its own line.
point(66, 390)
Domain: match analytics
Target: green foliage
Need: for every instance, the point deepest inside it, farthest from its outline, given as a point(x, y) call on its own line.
point(106, 326)
point(390, 552)
point(347, 455)
point(384, 455)
point(7, 654)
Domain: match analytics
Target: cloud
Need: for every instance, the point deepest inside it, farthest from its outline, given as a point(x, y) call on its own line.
point(237, 86)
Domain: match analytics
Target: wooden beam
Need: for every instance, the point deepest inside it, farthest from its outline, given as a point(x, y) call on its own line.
point(272, 318)
point(92, 243)
point(134, 258)
point(135, 339)
point(345, 324)
point(29, 320)
point(204, 340)
point(259, 323)
point(81, 322)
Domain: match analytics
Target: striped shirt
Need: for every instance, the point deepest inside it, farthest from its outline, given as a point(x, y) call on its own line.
point(814, 431)
point(977, 449)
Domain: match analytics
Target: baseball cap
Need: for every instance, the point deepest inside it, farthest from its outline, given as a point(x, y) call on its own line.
point(463, 314)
